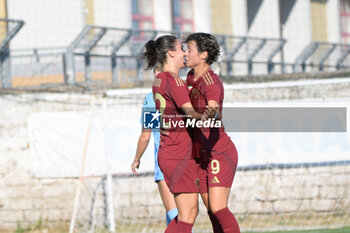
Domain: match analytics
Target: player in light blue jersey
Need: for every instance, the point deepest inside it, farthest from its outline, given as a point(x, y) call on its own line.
point(166, 195)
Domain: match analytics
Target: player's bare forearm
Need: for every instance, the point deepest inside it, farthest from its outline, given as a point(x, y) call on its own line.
point(189, 110)
point(195, 115)
point(141, 147)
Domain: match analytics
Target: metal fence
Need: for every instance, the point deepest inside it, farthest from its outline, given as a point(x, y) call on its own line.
point(110, 55)
point(119, 48)
point(8, 30)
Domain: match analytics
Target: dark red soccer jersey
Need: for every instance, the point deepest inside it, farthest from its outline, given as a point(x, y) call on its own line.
point(170, 93)
point(205, 88)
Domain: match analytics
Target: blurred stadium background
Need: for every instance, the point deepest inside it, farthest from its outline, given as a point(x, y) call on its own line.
point(72, 86)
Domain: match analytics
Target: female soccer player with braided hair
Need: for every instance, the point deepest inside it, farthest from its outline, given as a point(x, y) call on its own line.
point(213, 146)
point(175, 151)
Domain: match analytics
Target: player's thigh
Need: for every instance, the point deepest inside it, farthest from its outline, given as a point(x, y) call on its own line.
point(218, 198)
point(187, 206)
point(221, 171)
point(181, 176)
point(166, 195)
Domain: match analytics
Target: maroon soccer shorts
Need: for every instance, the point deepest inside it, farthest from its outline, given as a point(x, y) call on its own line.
point(181, 176)
point(221, 168)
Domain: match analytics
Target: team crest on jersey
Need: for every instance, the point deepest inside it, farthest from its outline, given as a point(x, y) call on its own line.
point(197, 182)
point(194, 93)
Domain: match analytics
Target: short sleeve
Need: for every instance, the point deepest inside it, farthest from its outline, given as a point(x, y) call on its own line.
point(212, 88)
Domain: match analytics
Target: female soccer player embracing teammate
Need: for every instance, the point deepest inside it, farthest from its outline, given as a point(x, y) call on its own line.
point(175, 151)
point(204, 162)
point(212, 146)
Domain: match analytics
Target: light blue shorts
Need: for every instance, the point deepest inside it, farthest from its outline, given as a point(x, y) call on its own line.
point(158, 174)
